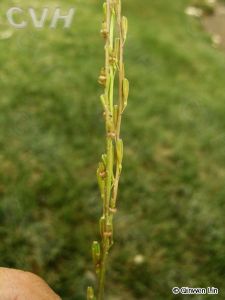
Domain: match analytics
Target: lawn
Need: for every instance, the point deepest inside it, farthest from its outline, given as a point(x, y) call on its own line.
point(170, 226)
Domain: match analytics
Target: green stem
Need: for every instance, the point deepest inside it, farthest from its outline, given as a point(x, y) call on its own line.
point(110, 167)
point(109, 152)
point(101, 286)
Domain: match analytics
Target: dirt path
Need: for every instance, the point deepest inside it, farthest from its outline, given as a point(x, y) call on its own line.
point(215, 25)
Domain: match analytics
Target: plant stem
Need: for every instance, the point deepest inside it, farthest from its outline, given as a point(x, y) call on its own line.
point(114, 30)
point(102, 276)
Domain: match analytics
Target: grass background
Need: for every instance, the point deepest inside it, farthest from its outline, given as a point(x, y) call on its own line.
point(172, 196)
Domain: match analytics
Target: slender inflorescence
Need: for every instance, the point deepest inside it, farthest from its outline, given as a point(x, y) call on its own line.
point(112, 77)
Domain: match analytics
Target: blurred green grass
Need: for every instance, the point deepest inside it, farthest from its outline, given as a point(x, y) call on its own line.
point(172, 196)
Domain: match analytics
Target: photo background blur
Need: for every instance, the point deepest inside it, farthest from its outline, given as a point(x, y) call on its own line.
point(170, 226)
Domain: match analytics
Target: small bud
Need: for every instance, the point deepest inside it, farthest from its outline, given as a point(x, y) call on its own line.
point(90, 293)
point(124, 28)
point(111, 134)
point(113, 59)
point(113, 210)
point(103, 174)
point(104, 30)
point(107, 234)
point(102, 78)
point(101, 168)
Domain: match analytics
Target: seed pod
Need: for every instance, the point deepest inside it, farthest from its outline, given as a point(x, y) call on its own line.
point(96, 253)
point(111, 26)
point(110, 123)
point(102, 226)
point(119, 152)
point(123, 70)
point(103, 101)
point(109, 231)
point(90, 293)
point(117, 6)
point(104, 159)
point(124, 28)
point(117, 48)
point(112, 8)
point(113, 151)
point(101, 180)
point(109, 228)
point(115, 115)
point(125, 92)
point(104, 9)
